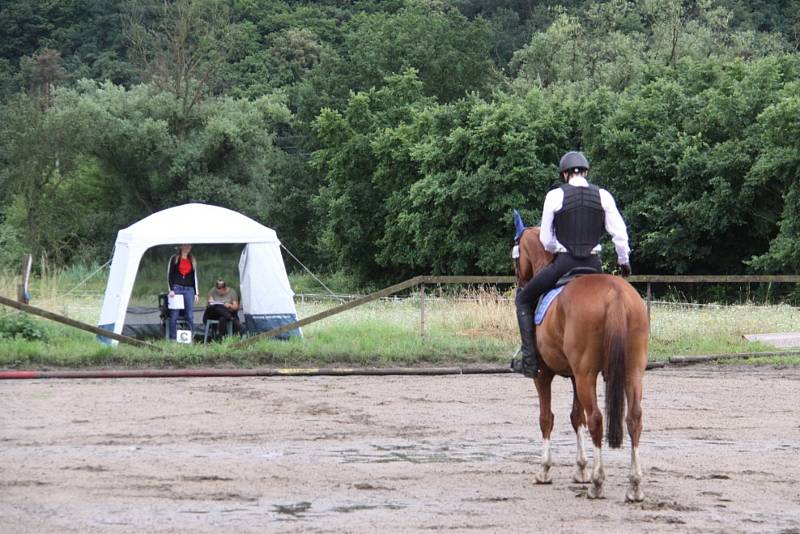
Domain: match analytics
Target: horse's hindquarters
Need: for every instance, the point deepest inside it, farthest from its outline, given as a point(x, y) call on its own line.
point(599, 323)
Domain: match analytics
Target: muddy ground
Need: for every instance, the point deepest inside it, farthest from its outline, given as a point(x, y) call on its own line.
point(720, 452)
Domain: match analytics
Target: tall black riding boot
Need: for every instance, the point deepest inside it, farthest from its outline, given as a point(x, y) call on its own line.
point(528, 364)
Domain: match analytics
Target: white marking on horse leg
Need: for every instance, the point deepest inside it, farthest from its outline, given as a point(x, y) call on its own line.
point(544, 477)
point(598, 475)
point(635, 493)
point(581, 475)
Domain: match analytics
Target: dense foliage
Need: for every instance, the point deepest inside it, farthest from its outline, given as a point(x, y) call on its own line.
point(391, 138)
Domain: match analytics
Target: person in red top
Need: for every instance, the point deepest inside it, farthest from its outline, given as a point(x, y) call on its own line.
point(182, 276)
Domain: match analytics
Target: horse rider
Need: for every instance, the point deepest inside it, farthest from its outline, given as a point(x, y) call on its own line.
point(573, 220)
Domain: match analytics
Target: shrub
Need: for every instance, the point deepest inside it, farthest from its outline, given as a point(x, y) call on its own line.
point(20, 325)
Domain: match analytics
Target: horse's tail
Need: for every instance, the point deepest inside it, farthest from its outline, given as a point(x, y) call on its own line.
point(614, 342)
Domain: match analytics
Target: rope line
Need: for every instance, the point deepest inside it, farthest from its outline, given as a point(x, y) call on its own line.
point(334, 295)
point(87, 278)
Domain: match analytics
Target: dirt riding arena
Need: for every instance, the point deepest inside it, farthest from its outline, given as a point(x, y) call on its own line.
point(720, 453)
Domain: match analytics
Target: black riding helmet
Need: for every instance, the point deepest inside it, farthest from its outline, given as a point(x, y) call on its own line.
point(573, 160)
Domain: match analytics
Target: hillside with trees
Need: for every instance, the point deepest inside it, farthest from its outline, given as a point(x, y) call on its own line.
point(391, 138)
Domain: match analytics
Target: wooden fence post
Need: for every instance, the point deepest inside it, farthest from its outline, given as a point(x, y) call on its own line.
point(23, 295)
point(422, 311)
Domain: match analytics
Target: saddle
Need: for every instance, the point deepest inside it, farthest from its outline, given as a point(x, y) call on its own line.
point(572, 274)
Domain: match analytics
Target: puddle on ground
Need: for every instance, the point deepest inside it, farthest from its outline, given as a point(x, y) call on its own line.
point(296, 510)
point(303, 510)
point(425, 451)
point(361, 507)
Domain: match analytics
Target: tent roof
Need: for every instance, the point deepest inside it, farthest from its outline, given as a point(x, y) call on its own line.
point(196, 223)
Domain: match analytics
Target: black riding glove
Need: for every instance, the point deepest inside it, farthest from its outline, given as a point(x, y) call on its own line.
point(626, 269)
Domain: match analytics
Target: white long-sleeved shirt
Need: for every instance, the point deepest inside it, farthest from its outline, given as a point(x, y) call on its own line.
point(614, 224)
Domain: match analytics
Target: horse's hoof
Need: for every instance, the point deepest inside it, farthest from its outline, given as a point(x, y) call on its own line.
point(544, 478)
point(596, 492)
point(582, 476)
point(634, 495)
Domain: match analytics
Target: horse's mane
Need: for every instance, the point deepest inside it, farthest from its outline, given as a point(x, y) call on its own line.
point(532, 255)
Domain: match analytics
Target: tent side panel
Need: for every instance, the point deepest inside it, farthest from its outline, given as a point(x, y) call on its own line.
point(118, 290)
point(256, 324)
point(134, 257)
point(264, 283)
point(111, 299)
point(267, 298)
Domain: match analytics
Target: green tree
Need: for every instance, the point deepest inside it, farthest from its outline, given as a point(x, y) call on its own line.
point(43, 72)
point(102, 156)
point(352, 202)
point(478, 161)
point(605, 46)
point(680, 154)
point(621, 43)
point(413, 186)
point(181, 46)
point(450, 53)
point(223, 158)
point(24, 26)
point(775, 174)
point(89, 35)
point(45, 199)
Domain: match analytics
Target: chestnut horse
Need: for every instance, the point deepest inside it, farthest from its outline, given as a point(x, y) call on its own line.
point(598, 323)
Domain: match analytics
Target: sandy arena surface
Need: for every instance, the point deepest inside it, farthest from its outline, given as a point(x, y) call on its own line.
point(720, 453)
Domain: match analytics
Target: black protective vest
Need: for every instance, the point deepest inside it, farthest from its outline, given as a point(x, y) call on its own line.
point(580, 222)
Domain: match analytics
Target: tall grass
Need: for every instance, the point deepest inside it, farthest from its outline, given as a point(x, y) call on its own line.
point(471, 327)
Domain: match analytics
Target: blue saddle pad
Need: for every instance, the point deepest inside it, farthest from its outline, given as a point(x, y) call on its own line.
point(544, 303)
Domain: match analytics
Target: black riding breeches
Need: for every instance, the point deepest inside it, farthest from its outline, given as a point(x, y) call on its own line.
point(546, 278)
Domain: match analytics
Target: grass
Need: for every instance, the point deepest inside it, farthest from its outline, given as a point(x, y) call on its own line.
point(379, 334)
point(479, 328)
point(688, 330)
point(772, 361)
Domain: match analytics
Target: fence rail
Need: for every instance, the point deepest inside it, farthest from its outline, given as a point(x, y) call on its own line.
point(33, 310)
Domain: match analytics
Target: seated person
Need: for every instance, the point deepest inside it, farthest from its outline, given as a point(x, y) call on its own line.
point(223, 303)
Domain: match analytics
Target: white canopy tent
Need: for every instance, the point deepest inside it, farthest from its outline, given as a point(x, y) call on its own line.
point(266, 297)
